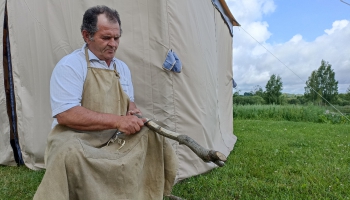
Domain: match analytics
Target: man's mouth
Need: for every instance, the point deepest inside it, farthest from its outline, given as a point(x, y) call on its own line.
point(110, 50)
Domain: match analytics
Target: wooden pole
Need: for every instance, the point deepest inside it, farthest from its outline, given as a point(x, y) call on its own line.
point(205, 154)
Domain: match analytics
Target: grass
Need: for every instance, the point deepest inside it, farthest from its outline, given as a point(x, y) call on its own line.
point(18, 182)
point(279, 160)
point(271, 160)
point(343, 109)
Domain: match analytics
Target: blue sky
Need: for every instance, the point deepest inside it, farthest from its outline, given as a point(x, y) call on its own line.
point(309, 18)
point(299, 33)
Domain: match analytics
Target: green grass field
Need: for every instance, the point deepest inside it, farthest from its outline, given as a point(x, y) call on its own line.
point(279, 160)
point(18, 182)
point(271, 160)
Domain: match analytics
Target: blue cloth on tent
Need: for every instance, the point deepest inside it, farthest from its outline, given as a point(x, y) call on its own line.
point(172, 62)
point(234, 84)
point(227, 20)
point(178, 65)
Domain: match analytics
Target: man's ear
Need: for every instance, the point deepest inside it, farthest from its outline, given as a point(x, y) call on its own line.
point(86, 36)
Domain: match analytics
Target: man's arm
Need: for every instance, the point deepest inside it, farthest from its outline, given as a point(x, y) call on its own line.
point(81, 118)
point(133, 109)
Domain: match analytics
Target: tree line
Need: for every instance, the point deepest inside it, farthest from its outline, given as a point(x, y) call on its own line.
point(321, 88)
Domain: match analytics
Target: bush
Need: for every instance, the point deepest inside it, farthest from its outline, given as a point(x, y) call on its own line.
point(342, 102)
point(295, 113)
point(294, 101)
point(248, 100)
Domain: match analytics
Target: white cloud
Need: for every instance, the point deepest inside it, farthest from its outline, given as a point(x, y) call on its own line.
point(254, 77)
point(251, 10)
point(337, 26)
point(253, 64)
point(258, 30)
point(296, 38)
point(268, 7)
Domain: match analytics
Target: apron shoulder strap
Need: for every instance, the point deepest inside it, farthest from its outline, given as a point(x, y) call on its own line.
point(87, 57)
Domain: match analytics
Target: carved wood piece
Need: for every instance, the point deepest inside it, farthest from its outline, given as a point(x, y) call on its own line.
point(205, 154)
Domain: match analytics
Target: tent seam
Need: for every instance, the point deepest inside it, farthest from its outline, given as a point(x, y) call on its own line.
point(171, 75)
point(217, 79)
point(172, 83)
point(149, 63)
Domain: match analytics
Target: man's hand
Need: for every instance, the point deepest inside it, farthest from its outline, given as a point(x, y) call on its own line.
point(133, 110)
point(129, 124)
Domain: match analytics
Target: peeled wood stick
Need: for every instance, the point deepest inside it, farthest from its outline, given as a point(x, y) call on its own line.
point(205, 154)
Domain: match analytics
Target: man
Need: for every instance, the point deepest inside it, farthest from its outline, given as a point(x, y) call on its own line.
point(90, 98)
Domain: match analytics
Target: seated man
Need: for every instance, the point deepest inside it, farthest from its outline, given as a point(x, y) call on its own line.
point(90, 105)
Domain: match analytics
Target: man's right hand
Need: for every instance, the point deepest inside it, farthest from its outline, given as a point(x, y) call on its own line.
point(129, 124)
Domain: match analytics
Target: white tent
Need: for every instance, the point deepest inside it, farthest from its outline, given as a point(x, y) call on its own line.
point(196, 102)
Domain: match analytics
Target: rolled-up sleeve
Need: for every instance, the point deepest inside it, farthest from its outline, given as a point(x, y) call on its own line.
point(66, 85)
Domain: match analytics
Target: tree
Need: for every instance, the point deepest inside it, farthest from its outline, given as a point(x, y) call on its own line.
point(236, 93)
point(248, 94)
point(258, 91)
point(302, 99)
point(294, 101)
point(273, 90)
point(312, 88)
point(348, 93)
point(322, 82)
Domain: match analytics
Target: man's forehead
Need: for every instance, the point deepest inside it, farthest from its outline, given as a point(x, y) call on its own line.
point(102, 19)
point(107, 27)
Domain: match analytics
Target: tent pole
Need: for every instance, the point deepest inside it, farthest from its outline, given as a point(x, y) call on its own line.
point(13, 120)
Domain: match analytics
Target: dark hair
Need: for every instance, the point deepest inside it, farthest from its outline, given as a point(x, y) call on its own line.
point(90, 18)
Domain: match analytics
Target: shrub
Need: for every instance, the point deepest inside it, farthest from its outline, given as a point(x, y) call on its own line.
point(294, 101)
point(295, 113)
point(248, 100)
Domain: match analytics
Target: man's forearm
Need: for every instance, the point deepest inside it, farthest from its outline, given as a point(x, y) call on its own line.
point(84, 119)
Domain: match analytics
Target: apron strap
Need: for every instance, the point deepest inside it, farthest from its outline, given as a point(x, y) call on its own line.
point(115, 70)
point(88, 62)
point(87, 57)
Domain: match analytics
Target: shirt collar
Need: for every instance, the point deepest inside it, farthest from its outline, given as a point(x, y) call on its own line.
point(92, 55)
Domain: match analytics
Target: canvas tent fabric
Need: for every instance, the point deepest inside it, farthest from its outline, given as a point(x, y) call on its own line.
point(6, 152)
point(196, 102)
point(226, 14)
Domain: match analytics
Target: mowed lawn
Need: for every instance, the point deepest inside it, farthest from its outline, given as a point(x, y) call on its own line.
point(279, 160)
point(271, 160)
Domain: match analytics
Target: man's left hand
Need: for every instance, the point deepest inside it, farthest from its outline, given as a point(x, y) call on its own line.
point(133, 112)
point(133, 109)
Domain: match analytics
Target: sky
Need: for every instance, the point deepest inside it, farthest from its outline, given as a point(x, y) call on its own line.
point(289, 38)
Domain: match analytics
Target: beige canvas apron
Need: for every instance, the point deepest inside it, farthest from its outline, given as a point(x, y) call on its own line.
point(79, 165)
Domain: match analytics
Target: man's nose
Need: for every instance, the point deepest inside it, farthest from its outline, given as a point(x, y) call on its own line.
point(113, 43)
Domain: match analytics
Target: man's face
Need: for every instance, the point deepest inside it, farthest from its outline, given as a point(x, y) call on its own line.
point(105, 42)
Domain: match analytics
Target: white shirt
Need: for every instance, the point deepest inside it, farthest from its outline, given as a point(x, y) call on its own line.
point(68, 77)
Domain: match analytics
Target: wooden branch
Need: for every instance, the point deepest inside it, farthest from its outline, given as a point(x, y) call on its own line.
point(205, 154)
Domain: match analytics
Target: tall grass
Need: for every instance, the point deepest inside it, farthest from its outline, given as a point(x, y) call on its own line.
point(294, 113)
point(343, 109)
